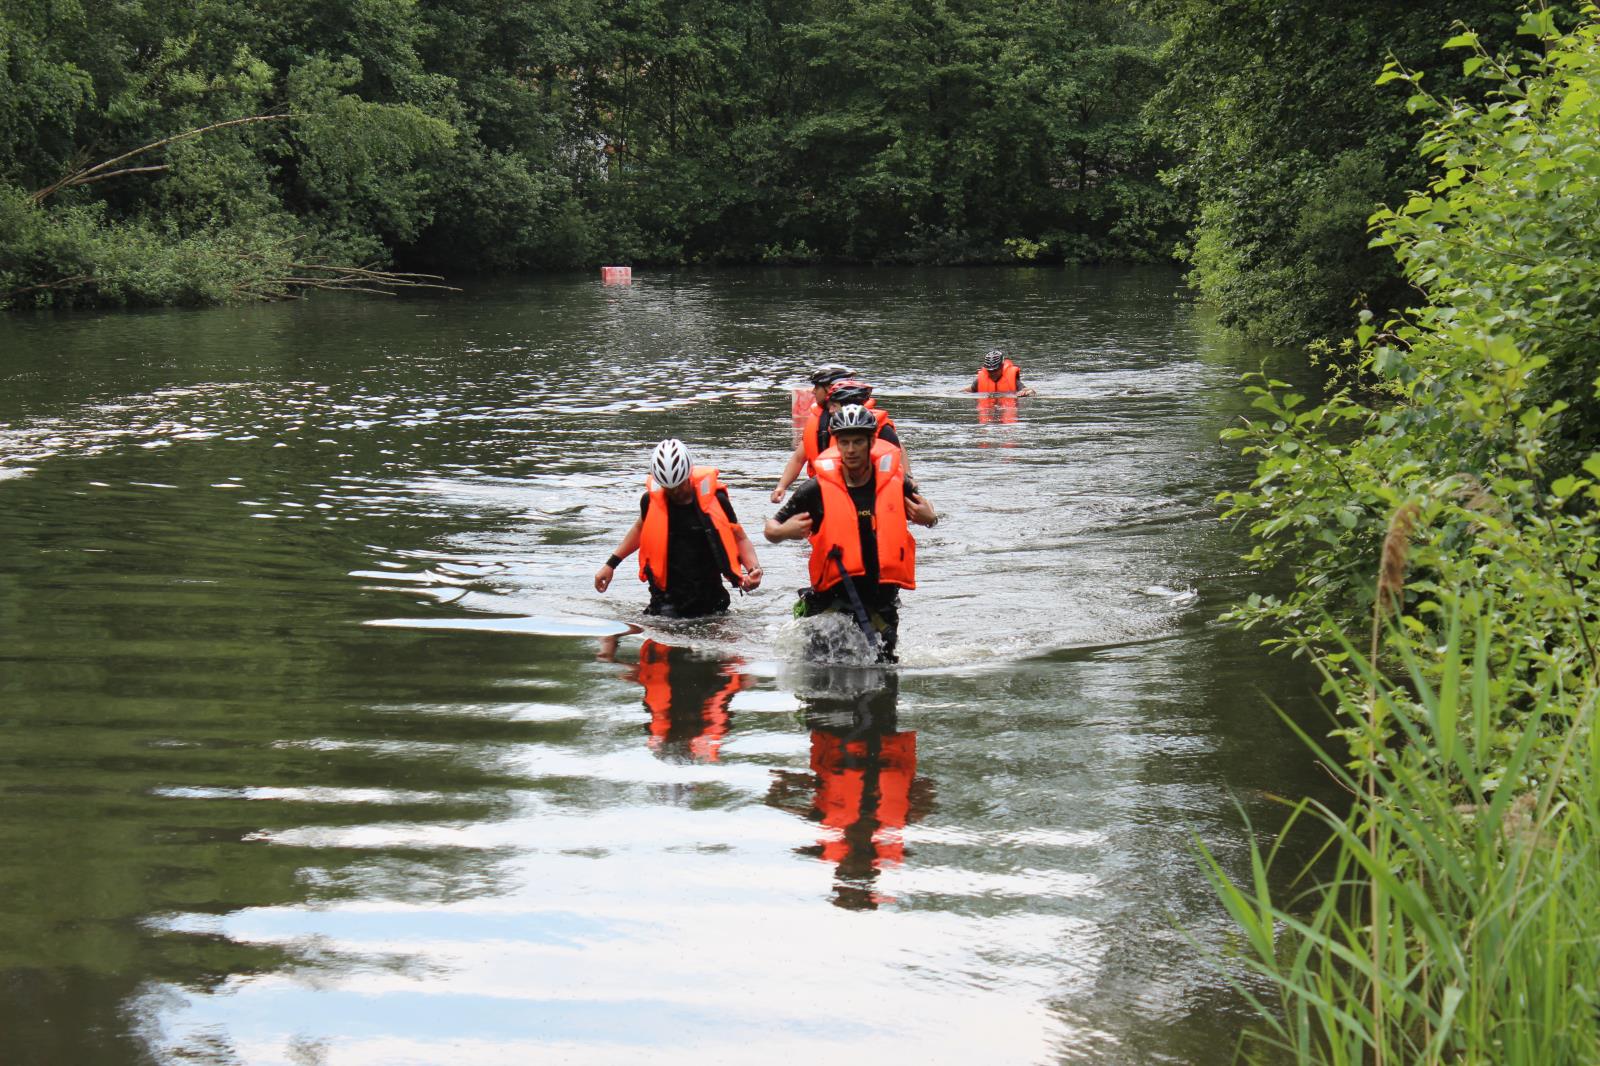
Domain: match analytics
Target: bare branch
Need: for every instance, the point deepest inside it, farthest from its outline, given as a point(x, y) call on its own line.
point(86, 175)
point(63, 283)
point(125, 170)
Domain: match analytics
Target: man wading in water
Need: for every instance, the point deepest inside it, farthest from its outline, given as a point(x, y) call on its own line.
point(687, 537)
point(822, 380)
point(998, 374)
point(856, 511)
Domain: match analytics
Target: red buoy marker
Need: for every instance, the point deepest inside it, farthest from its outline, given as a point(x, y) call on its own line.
point(616, 275)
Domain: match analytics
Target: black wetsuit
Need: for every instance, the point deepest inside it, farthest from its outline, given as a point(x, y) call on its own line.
point(695, 561)
point(879, 599)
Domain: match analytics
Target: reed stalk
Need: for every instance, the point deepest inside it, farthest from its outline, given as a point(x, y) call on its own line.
point(1485, 941)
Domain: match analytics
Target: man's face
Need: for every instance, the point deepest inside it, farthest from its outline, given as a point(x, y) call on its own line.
point(681, 493)
point(854, 449)
point(819, 393)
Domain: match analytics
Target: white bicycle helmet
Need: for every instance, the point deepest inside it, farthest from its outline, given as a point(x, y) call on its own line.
point(670, 463)
point(852, 418)
point(993, 359)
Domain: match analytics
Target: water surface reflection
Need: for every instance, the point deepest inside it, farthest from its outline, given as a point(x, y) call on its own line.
point(863, 788)
point(306, 754)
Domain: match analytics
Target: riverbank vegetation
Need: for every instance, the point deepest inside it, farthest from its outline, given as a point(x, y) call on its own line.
point(451, 137)
point(455, 136)
point(1441, 510)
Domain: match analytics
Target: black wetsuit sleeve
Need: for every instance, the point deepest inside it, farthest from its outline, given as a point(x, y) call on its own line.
point(644, 504)
point(727, 508)
point(888, 435)
point(807, 498)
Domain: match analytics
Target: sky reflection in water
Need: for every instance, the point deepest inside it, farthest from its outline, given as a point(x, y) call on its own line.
point(321, 748)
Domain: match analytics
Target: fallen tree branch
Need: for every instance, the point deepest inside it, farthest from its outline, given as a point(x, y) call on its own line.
point(62, 283)
point(336, 278)
point(125, 170)
point(86, 175)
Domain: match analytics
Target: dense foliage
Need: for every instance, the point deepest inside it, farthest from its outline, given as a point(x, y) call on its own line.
point(465, 135)
point(1285, 143)
point(1447, 524)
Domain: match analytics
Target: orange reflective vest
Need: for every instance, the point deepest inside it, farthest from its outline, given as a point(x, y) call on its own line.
point(808, 439)
point(897, 549)
point(813, 429)
point(1010, 375)
point(653, 537)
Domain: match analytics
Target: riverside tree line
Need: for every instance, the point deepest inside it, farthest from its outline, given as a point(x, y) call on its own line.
point(455, 136)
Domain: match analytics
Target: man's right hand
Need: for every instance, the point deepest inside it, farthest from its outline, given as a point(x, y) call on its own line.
point(777, 493)
point(797, 526)
point(602, 578)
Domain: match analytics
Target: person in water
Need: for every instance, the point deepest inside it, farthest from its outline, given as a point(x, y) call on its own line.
point(687, 537)
point(814, 436)
point(998, 374)
point(856, 513)
point(822, 379)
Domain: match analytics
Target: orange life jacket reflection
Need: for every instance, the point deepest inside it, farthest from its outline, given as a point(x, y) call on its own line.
point(840, 527)
point(864, 784)
point(1001, 409)
point(811, 434)
point(653, 537)
point(709, 722)
point(1008, 380)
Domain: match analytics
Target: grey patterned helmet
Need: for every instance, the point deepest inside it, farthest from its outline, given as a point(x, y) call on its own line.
point(852, 418)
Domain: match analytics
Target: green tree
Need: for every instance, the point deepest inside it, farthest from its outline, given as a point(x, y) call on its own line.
point(1284, 142)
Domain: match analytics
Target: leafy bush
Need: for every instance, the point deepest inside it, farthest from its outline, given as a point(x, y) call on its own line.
point(1284, 143)
point(1444, 501)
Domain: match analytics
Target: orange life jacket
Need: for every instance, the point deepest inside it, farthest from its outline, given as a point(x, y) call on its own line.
point(808, 439)
point(653, 538)
point(1010, 374)
point(845, 798)
point(1001, 409)
point(655, 673)
point(897, 549)
point(812, 431)
point(655, 670)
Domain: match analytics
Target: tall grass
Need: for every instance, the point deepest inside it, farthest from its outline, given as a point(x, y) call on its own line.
point(1461, 921)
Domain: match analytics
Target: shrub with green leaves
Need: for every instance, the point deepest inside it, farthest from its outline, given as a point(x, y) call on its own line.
point(1441, 510)
point(1481, 403)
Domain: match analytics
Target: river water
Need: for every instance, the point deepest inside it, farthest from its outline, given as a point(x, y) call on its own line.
point(318, 746)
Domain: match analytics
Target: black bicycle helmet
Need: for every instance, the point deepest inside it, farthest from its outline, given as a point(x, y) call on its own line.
point(850, 391)
point(828, 373)
point(993, 359)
